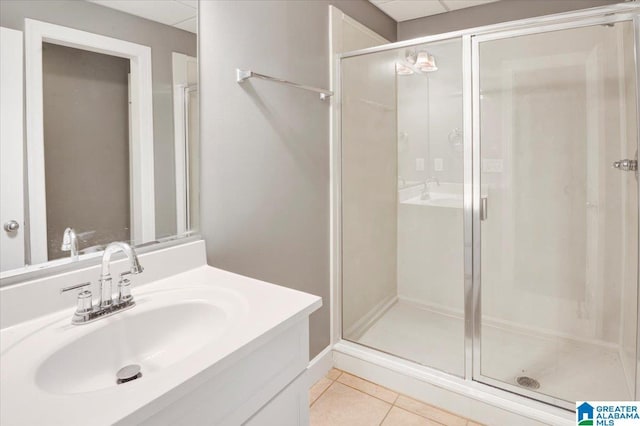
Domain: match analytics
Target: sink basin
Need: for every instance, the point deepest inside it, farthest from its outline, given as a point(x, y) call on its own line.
point(153, 339)
point(437, 200)
point(171, 333)
point(443, 195)
point(448, 195)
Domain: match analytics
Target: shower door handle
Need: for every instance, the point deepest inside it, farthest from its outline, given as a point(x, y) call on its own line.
point(626, 165)
point(484, 211)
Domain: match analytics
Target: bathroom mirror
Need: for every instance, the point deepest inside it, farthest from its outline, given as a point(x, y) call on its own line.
point(99, 127)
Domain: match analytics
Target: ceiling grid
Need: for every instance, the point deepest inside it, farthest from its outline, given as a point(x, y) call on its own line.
point(404, 10)
point(180, 14)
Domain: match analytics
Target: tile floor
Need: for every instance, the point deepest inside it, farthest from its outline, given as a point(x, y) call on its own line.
point(340, 398)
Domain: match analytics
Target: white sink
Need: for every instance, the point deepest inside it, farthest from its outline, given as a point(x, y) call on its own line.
point(442, 195)
point(437, 200)
point(204, 338)
point(449, 195)
point(167, 329)
point(154, 339)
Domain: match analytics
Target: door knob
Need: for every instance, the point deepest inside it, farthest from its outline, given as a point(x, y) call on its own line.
point(11, 226)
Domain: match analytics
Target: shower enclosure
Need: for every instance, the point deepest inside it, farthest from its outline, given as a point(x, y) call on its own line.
point(489, 206)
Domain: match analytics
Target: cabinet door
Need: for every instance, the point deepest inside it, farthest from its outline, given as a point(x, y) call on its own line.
point(289, 408)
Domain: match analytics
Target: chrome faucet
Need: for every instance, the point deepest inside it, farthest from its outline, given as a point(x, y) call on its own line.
point(70, 243)
point(106, 299)
point(402, 182)
point(106, 305)
point(426, 195)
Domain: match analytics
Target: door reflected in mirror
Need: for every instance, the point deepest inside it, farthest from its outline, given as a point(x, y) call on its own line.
point(108, 144)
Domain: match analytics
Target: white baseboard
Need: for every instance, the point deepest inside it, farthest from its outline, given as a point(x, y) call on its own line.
point(435, 307)
point(359, 327)
point(320, 365)
point(508, 325)
point(463, 397)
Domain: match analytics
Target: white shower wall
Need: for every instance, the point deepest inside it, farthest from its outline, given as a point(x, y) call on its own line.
point(553, 108)
point(430, 257)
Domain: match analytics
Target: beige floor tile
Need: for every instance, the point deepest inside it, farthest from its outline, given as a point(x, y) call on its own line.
point(368, 387)
point(333, 374)
point(341, 405)
point(399, 417)
point(430, 412)
point(472, 423)
point(317, 389)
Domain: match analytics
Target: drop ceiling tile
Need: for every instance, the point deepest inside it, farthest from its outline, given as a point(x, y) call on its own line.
point(166, 12)
point(402, 10)
point(190, 25)
point(462, 4)
point(190, 3)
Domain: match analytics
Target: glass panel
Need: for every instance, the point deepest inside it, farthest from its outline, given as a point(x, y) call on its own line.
point(559, 244)
point(402, 221)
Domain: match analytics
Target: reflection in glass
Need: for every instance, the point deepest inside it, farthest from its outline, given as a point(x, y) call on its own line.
point(86, 147)
point(402, 182)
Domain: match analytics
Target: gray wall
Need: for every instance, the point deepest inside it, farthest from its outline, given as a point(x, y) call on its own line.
point(86, 145)
point(492, 13)
point(265, 147)
point(161, 38)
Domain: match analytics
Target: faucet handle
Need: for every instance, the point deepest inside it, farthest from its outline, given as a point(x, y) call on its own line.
point(74, 287)
point(124, 289)
point(85, 302)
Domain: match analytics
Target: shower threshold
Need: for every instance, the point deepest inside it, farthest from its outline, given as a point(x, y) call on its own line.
point(436, 339)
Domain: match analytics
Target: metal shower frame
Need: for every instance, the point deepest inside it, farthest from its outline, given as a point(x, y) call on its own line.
point(471, 40)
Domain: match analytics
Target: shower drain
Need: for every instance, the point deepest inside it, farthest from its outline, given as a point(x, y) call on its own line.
point(528, 382)
point(128, 373)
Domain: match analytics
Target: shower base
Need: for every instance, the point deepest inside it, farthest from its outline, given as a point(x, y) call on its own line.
point(565, 369)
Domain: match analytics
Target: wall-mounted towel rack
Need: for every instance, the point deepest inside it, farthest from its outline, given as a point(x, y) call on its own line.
point(244, 75)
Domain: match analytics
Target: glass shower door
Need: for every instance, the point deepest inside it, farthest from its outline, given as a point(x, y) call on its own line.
point(402, 203)
point(555, 111)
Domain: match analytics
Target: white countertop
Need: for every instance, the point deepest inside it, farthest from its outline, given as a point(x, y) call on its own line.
point(259, 311)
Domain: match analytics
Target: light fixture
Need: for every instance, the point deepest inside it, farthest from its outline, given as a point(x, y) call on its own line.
point(425, 62)
point(402, 69)
point(410, 57)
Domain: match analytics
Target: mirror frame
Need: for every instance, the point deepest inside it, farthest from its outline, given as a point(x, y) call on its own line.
point(59, 266)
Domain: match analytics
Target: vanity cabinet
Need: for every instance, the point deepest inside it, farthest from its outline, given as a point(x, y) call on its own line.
point(264, 387)
point(213, 348)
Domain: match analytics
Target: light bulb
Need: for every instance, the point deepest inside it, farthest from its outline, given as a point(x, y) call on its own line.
point(402, 69)
point(426, 62)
